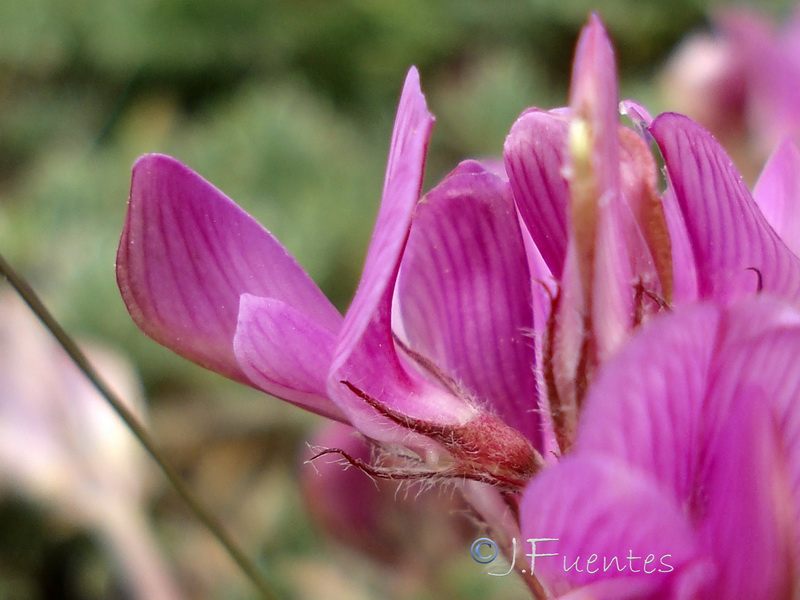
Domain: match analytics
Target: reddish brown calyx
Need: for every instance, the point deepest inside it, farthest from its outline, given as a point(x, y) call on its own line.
point(483, 449)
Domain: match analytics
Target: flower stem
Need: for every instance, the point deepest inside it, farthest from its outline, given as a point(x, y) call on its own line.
point(79, 358)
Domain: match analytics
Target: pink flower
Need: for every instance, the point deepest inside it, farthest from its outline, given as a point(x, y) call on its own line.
point(685, 478)
point(434, 352)
point(619, 250)
point(676, 443)
point(585, 187)
point(511, 316)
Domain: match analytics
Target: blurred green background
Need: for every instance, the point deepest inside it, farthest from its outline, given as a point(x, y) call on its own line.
point(288, 108)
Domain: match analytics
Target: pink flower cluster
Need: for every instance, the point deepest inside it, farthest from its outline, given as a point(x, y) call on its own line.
point(595, 357)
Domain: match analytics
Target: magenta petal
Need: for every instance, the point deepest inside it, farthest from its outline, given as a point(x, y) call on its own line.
point(286, 353)
point(777, 194)
point(748, 504)
point(464, 287)
point(728, 234)
point(187, 253)
point(368, 320)
point(761, 373)
point(660, 403)
point(365, 355)
point(543, 290)
point(612, 299)
point(613, 531)
point(684, 271)
point(701, 409)
point(644, 405)
point(593, 97)
point(371, 306)
point(534, 156)
point(598, 275)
